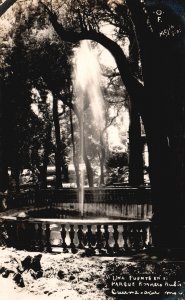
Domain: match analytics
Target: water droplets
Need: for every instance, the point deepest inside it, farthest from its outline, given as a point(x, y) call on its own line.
point(87, 81)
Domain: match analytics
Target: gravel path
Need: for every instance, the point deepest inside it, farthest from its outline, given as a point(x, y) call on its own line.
point(41, 276)
point(64, 276)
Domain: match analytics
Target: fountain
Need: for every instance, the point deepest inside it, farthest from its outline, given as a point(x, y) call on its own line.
point(111, 220)
point(86, 81)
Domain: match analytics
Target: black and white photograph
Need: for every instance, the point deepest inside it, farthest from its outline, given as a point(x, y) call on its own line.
point(92, 149)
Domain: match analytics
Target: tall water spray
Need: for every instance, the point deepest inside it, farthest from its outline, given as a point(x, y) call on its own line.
point(87, 87)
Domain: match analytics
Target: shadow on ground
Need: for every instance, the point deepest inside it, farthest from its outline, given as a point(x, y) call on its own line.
point(157, 274)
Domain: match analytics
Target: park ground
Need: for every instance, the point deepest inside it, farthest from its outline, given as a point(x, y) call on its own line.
point(42, 276)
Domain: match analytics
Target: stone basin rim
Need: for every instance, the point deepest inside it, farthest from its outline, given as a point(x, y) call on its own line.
point(77, 221)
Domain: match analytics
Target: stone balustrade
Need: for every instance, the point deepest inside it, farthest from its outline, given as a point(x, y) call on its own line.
point(106, 237)
point(98, 202)
point(127, 195)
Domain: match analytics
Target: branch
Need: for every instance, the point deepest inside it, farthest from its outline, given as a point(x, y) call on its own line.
point(5, 6)
point(134, 87)
point(69, 104)
point(61, 114)
point(111, 75)
point(139, 18)
point(112, 120)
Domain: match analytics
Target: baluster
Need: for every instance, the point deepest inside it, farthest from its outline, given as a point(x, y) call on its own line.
point(99, 243)
point(111, 240)
point(40, 242)
point(136, 237)
point(26, 235)
point(143, 236)
point(131, 236)
point(90, 241)
point(63, 235)
point(80, 237)
point(11, 230)
point(94, 230)
point(116, 235)
point(17, 225)
point(120, 237)
point(89, 236)
point(116, 196)
point(99, 195)
point(126, 209)
point(35, 233)
point(106, 196)
point(72, 235)
point(31, 236)
point(48, 244)
point(143, 211)
point(76, 241)
point(106, 237)
point(21, 235)
point(139, 211)
point(149, 235)
point(147, 210)
point(31, 197)
point(38, 236)
point(125, 238)
point(30, 200)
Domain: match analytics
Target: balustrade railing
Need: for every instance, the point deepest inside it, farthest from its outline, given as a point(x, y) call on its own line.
point(108, 195)
point(109, 237)
point(111, 202)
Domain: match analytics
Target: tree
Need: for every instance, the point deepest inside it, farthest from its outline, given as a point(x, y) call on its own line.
point(4, 167)
point(118, 166)
point(47, 75)
point(135, 139)
point(3, 155)
point(162, 91)
point(164, 87)
point(81, 19)
point(156, 91)
point(52, 80)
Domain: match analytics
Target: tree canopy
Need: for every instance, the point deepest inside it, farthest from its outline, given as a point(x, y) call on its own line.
point(146, 40)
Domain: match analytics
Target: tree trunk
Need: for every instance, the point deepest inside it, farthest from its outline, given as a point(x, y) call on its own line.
point(15, 177)
point(136, 163)
point(75, 160)
point(65, 172)
point(64, 165)
point(43, 168)
point(102, 160)
point(58, 183)
point(3, 152)
point(43, 172)
point(136, 177)
point(166, 161)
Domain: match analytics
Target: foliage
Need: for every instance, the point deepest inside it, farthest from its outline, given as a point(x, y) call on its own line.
point(38, 67)
point(118, 159)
